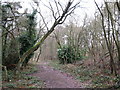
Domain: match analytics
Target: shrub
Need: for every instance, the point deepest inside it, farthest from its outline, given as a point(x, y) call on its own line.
point(11, 54)
point(67, 54)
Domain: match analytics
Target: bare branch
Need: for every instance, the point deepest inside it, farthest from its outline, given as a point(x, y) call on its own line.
point(67, 15)
point(61, 6)
point(118, 5)
point(52, 11)
point(76, 5)
point(99, 9)
point(69, 11)
point(43, 21)
point(57, 39)
point(57, 8)
point(61, 19)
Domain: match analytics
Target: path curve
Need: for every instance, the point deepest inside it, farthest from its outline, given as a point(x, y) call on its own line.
point(55, 78)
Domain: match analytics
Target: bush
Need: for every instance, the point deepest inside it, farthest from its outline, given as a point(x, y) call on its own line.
point(117, 80)
point(15, 43)
point(26, 43)
point(11, 54)
point(67, 54)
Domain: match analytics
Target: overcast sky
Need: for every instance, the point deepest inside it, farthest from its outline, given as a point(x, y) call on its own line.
point(87, 7)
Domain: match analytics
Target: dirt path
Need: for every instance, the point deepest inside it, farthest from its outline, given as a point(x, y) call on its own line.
point(55, 78)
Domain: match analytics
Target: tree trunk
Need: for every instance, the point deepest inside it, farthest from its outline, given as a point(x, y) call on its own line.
point(112, 64)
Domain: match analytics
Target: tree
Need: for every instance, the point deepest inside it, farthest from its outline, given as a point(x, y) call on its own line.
point(10, 32)
point(29, 37)
point(58, 20)
point(110, 33)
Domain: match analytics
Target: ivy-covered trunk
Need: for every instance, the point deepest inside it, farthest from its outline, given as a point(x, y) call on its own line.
point(28, 38)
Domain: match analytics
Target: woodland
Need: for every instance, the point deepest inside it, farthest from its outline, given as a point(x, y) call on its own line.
point(86, 50)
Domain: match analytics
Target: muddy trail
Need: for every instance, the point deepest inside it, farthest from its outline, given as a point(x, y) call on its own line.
point(55, 78)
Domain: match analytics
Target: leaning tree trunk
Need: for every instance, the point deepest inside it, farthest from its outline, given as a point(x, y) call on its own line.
point(59, 20)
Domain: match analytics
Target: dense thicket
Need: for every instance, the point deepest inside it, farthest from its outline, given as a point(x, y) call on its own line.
point(10, 44)
point(17, 35)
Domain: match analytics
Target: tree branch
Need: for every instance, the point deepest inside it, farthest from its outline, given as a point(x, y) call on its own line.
point(38, 44)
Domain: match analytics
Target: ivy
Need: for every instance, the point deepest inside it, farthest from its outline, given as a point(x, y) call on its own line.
point(28, 38)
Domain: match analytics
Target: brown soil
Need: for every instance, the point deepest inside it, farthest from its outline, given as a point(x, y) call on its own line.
point(55, 78)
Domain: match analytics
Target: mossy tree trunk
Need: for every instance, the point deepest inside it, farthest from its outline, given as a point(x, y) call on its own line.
point(58, 20)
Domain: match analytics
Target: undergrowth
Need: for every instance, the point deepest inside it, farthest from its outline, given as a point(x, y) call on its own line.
point(88, 74)
point(23, 80)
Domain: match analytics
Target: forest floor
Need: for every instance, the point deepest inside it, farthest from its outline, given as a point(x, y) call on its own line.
point(81, 75)
point(52, 74)
point(53, 78)
point(23, 79)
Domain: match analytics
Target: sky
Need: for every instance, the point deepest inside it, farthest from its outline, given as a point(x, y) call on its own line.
point(87, 7)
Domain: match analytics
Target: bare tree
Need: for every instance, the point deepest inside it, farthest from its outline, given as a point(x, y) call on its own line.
point(68, 10)
point(107, 38)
